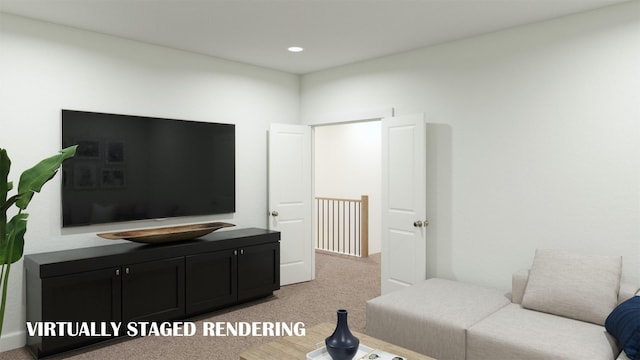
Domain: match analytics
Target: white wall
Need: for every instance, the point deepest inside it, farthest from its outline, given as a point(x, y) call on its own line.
point(44, 68)
point(347, 165)
point(534, 139)
point(534, 130)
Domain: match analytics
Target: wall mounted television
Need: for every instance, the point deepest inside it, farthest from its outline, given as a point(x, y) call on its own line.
point(135, 168)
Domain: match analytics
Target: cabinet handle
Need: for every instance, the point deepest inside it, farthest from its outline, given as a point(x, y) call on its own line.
point(126, 271)
point(241, 251)
point(117, 272)
point(235, 252)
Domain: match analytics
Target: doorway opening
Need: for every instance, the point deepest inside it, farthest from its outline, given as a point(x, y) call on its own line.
point(347, 165)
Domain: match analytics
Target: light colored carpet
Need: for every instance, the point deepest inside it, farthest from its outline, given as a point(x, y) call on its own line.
point(341, 283)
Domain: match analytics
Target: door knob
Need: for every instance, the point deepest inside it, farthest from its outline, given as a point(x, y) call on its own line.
point(421, 223)
point(274, 213)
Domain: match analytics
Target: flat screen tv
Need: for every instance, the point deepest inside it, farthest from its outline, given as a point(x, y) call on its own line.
point(134, 168)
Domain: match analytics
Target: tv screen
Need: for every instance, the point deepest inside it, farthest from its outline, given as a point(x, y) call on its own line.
point(134, 168)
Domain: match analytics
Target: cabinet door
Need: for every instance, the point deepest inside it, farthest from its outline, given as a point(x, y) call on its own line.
point(92, 296)
point(211, 281)
point(153, 291)
point(258, 270)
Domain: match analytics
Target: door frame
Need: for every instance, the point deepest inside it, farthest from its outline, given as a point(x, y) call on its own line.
point(326, 120)
point(337, 119)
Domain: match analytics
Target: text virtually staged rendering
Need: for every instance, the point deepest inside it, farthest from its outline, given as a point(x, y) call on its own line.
point(423, 180)
point(176, 328)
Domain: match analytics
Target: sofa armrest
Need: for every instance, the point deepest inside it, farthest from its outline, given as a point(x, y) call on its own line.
point(627, 291)
point(518, 285)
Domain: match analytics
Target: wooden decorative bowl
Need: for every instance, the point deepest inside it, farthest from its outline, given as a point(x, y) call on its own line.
point(166, 234)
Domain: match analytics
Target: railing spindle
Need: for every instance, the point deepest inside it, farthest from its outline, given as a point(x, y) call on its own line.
point(342, 225)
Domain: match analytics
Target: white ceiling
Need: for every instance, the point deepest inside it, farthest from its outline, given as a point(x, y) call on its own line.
point(333, 32)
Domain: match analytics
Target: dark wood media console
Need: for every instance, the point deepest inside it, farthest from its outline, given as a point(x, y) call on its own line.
point(134, 282)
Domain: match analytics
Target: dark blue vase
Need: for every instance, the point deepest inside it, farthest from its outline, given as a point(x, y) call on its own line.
point(342, 345)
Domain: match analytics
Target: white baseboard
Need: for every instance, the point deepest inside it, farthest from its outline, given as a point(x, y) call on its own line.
point(14, 340)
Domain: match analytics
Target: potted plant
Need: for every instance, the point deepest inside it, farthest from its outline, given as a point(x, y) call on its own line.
point(12, 231)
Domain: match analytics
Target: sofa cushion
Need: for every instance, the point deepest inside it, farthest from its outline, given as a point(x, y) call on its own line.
point(622, 356)
point(582, 287)
point(516, 333)
point(518, 285)
point(624, 324)
point(431, 317)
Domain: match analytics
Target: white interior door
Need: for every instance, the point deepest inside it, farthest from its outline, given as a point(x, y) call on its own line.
point(403, 201)
point(290, 198)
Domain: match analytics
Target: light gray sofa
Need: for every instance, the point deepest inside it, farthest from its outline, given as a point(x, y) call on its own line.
point(556, 310)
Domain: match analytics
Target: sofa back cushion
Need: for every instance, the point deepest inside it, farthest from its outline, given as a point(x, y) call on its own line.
point(581, 287)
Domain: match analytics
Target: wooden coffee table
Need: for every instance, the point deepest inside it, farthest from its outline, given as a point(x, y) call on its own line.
point(297, 347)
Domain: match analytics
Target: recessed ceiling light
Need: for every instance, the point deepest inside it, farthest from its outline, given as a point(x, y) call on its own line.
point(295, 49)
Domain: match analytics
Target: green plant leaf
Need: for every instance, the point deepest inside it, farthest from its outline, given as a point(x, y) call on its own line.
point(12, 249)
point(32, 180)
point(5, 186)
point(5, 166)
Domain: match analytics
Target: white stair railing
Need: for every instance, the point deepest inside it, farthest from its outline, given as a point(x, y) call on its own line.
point(343, 225)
